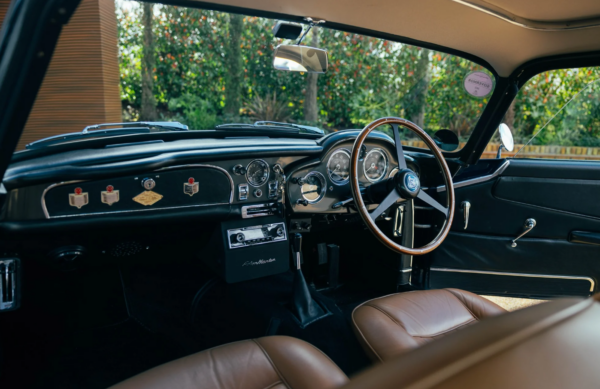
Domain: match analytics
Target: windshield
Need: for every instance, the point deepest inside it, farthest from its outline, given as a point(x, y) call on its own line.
point(206, 69)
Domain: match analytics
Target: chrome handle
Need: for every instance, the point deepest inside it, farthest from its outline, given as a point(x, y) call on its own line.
point(529, 224)
point(466, 207)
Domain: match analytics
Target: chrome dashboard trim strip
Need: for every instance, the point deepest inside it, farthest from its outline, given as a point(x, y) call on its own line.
point(526, 275)
point(478, 180)
point(47, 215)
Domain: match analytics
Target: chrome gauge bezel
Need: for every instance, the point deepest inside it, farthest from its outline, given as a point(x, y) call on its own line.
point(321, 178)
point(393, 172)
point(347, 180)
point(266, 178)
point(385, 158)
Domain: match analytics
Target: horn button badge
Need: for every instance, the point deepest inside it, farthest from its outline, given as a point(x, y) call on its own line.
point(407, 183)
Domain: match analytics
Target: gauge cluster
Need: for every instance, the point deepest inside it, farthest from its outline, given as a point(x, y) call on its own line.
point(319, 186)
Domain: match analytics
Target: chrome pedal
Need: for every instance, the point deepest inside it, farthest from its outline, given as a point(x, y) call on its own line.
point(10, 288)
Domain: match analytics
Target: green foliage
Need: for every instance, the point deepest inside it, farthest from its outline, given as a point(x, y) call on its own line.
point(197, 113)
point(367, 77)
point(544, 95)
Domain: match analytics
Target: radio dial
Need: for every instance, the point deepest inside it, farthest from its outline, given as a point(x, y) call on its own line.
point(240, 237)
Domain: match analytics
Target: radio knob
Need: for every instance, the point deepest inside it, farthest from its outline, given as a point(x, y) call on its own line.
point(239, 170)
point(240, 237)
point(148, 183)
point(280, 231)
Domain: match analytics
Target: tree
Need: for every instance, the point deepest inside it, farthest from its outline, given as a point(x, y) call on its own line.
point(311, 110)
point(417, 97)
point(233, 63)
point(148, 111)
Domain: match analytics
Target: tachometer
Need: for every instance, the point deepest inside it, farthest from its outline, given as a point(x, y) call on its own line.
point(375, 165)
point(314, 187)
point(257, 172)
point(338, 167)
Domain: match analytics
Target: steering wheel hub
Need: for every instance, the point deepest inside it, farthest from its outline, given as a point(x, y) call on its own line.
point(407, 184)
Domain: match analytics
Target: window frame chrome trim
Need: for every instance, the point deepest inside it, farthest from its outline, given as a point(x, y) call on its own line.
point(525, 275)
point(478, 180)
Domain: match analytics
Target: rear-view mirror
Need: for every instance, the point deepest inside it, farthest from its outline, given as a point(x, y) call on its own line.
point(446, 140)
point(296, 58)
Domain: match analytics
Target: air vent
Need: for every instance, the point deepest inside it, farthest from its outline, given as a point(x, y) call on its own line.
point(10, 298)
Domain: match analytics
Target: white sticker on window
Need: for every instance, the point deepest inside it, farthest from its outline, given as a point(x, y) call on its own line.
point(478, 84)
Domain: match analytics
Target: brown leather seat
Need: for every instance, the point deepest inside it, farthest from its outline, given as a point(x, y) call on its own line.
point(554, 345)
point(391, 325)
point(273, 362)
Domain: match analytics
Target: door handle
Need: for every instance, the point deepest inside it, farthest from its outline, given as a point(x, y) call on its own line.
point(529, 224)
point(466, 207)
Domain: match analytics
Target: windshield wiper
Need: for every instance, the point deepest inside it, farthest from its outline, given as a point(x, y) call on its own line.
point(269, 126)
point(101, 130)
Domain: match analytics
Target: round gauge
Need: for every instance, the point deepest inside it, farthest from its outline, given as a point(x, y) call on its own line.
point(375, 165)
point(393, 172)
point(314, 187)
point(338, 167)
point(257, 172)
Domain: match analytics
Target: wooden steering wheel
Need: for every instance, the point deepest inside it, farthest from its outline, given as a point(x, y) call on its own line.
point(406, 185)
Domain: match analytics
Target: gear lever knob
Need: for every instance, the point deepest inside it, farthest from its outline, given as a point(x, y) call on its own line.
point(297, 248)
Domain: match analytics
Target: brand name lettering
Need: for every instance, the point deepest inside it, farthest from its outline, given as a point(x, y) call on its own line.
point(478, 83)
point(259, 262)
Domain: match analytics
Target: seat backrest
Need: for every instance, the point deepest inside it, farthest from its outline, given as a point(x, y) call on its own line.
point(391, 325)
point(551, 345)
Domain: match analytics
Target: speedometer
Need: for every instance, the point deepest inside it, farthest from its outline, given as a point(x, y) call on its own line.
point(257, 172)
point(375, 165)
point(338, 167)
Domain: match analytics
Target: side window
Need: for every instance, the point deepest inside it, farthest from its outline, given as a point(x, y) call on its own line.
point(556, 115)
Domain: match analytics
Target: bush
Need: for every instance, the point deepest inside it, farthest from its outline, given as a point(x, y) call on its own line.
point(197, 113)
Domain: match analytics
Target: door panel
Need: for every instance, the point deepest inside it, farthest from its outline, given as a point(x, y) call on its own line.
point(563, 197)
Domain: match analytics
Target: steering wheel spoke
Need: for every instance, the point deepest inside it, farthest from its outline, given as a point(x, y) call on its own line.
point(432, 202)
point(389, 200)
point(406, 186)
point(399, 149)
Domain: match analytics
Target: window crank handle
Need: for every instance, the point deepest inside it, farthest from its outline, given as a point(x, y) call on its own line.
point(529, 224)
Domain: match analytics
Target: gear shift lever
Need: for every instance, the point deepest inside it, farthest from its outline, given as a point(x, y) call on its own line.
point(303, 306)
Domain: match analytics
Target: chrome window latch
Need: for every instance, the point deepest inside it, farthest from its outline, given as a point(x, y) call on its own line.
point(466, 208)
point(529, 224)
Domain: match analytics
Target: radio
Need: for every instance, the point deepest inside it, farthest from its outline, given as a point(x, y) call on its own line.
point(242, 250)
point(254, 235)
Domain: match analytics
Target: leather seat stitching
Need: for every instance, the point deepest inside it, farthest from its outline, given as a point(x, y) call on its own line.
point(273, 385)
point(362, 335)
point(445, 331)
point(272, 363)
point(460, 300)
point(213, 362)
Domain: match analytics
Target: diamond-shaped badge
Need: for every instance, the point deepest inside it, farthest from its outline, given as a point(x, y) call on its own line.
point(147, 198)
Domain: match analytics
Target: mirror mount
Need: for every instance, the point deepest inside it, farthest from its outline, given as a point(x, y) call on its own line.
point(311, 24)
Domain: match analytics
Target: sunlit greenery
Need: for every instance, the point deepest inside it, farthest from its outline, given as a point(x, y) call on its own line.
point(367, 78)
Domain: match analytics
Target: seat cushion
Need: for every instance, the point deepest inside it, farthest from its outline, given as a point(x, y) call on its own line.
point(274, 362)
point(391, 325)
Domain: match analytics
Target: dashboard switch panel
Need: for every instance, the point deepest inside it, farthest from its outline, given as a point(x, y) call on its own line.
point(243, 192)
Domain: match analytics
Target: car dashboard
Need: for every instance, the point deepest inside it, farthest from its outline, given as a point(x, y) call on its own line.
point(236, 200)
